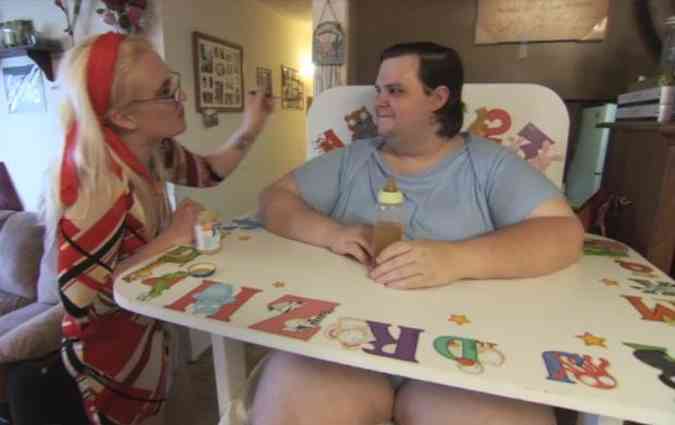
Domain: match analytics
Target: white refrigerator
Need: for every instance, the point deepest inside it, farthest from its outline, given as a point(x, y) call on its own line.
point(585, 173)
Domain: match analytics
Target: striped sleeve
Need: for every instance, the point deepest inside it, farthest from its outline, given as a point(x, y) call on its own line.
point(186, 168)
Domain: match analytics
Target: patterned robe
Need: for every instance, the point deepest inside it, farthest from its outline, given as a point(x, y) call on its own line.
point(119, 359)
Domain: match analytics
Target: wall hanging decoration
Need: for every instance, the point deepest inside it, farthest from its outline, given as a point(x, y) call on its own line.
point(518, 21)
point(71, 20)
point(124, 15)
point(24, 89)
point(292, 89)
point(219, 74)
point(263, 79)
point(210, 118)
point(328, 40)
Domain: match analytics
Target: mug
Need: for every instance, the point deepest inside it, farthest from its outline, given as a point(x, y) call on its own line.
point(19, 32)
point(9, 37)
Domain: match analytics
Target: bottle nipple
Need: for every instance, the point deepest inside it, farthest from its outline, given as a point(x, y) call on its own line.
point(390, 194)
point(390, 186)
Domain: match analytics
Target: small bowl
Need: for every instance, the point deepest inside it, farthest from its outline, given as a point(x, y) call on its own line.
point(202, 269)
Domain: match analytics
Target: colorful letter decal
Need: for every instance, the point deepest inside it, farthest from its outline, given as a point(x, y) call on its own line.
point(469, 354)
point(350, 332)
point(179, 255)
point(300, 317)
point(658, 358)
point(327, 142)
point(490, 123)
point(403, 348)
point(637, 268)
point(660, 312)
point(214, 300)
point(361, 125)
point(561, 365)
point(161, 284)
point(605, 248)
point(354, 333)
point(537, 148)
point(246, 223)
point(666, 289)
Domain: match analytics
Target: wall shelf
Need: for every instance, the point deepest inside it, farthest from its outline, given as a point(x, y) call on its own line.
point(41, 55)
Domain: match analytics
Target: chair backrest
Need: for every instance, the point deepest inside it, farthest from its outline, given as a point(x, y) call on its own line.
point(527, 118)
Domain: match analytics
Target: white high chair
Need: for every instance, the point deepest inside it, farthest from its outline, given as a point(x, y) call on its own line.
point(528, 118)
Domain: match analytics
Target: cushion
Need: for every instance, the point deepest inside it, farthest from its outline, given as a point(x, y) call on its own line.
point(48, 286)
point(16, 318)
point(9, 199)
point(10, 302)
point(4, 215)
point(32, 337)
point(21, 247)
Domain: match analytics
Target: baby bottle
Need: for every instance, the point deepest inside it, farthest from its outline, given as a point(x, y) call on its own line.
point(390, 219)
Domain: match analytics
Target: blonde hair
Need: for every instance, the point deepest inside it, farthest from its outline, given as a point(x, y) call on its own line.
point(91, 155)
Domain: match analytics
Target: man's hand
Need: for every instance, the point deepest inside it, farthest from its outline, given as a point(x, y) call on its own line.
point(415, 264)
point(354, 241)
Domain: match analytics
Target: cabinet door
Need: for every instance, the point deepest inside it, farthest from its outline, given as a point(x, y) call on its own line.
point(641, 166)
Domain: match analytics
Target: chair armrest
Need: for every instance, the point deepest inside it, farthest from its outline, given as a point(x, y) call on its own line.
point(34, 338)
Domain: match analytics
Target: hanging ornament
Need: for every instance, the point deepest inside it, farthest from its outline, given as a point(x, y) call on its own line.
point(328, 40)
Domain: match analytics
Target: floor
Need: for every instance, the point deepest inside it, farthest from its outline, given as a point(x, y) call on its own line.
point(197, 389)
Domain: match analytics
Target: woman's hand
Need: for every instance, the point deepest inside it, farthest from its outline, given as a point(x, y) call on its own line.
point(353, 241)
point(184, 219)
point(257, 108)
point(416, 264)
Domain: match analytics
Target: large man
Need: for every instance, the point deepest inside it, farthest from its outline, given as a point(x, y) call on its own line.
point(474, 211)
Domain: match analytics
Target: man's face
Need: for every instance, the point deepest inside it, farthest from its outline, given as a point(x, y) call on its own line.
point(402, 106)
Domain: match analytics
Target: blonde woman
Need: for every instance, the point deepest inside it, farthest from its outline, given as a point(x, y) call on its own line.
point(109, 210)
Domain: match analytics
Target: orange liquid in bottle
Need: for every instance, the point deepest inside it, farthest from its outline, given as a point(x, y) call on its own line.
point(386, 233)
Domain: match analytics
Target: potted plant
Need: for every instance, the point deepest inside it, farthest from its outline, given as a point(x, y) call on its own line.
point(124, 15)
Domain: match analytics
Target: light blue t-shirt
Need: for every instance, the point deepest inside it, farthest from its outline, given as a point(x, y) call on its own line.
point(474, 190)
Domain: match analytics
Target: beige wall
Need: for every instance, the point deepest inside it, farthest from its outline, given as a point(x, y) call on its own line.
point(30, 141)
point(269, 40)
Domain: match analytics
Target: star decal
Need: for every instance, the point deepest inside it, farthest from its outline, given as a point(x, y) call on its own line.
point(610, 282)
point(459, 319)
point(592, 340)
point(279, 284)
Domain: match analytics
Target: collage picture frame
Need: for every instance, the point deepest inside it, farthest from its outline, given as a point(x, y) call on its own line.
point(219, 74)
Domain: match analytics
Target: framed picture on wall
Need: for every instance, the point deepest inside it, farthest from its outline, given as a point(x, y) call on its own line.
point(24, 89)
point(219, 74)
point(292, 89)
point(263, 78)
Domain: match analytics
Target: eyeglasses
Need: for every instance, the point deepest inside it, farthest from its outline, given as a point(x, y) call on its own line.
point(171, 91)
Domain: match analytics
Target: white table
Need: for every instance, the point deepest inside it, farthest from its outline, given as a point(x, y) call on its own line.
point(571, 339)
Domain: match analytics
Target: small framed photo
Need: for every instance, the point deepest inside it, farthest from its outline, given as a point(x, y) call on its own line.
point(24, 89)
point(292, 89)
point(219, 74)
point(263, 77)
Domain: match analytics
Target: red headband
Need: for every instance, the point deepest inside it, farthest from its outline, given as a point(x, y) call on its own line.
point(100, 74)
